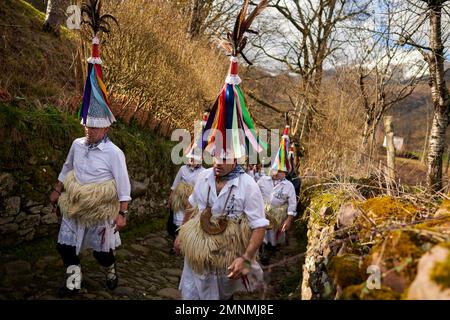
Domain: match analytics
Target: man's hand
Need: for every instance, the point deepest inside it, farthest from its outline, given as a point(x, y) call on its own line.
point(177, 245)
point(121, 222)
point(238, 268)
point(287, 224)
point(54, 196)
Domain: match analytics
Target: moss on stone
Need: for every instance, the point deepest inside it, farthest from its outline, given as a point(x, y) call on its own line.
point(344, 270)
point(361, 292)
point(441, 270)
point(399, 254)
point(387, 207)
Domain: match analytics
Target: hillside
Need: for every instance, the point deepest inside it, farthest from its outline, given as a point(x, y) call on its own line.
point(35, 65)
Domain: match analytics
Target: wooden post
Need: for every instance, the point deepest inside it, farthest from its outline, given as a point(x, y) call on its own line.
point(389, 130)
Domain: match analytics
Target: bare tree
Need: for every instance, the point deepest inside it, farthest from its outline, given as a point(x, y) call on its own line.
point(199, 11)
point(55, 14)
point(429, 40)
point(385, 72)
point(304, 37)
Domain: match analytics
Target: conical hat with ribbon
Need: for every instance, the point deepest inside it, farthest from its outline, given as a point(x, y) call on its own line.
point(229, 130)
point(95, 111)
point(281, 162)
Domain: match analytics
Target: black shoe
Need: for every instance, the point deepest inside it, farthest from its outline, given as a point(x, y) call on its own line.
point(112, 279)
point(65, 292)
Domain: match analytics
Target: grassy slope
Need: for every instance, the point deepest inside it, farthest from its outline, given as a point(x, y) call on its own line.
point(34, 64)
point(36, 136)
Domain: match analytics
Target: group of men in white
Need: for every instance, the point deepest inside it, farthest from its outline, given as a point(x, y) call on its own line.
point(264, 196)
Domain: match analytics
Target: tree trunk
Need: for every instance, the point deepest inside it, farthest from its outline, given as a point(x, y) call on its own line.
point(436, 151)
point(199, 13)
point(389, 129)
point(440, 98)
point(55, 15)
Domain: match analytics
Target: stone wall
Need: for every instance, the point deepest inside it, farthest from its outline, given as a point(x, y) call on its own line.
point(23, 219)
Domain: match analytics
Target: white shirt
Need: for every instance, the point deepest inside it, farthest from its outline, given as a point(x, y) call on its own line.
point(188, 175)
point(104, 162)
point(245, 197)
point(258, 175)
point(278, 193)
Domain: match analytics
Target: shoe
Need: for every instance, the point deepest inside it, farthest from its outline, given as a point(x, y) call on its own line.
point(65, 292)
point(112, 279)
point(73, 282)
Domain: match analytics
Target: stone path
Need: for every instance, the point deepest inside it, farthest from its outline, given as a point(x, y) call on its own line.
point(146, 268)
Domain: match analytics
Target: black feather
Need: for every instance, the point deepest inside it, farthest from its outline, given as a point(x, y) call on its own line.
point(242, 25)
point(91, 12)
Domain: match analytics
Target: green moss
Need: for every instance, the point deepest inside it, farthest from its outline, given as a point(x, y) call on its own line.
point(344, 270)
point(400, 254)
point(387, 207)
point(361, 292)
point(30, 11)
point(321, 200)
point(441, 270)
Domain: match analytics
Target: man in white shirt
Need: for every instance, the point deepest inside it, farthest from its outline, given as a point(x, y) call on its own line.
point(229, 192)
point(93, 187)
point(280, 200)
point(181, 189)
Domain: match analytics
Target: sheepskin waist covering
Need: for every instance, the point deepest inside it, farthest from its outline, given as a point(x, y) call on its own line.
point(90, 203)
point(275, 215)
point(181, 195)
point(213, 253)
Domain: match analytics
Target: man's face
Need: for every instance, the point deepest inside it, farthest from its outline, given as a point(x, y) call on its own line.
point(94, 135)
point(194, 163)
point(222, 166)
point(279, 175)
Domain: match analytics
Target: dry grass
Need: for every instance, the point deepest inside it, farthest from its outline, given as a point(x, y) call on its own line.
point(34, 64)
point(156, 74)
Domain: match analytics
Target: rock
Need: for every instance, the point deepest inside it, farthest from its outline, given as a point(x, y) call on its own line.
point(123, 291)
point(43, 262)
point(170, 293)
point(6, 220)
point(47, 210)
point(105, 295)
point(325, 211)
point(35, 209)
point(173, 279)
point(9, 228)
point(30, 203)
point(123, 254)
point(90, 296)
point(138, 189)
point(7, 184)
point(139, 248)
point(50, 218)
point(23, 232)
point(423, 287)
point(172, 272)
point(20, 217)
point(12, 206)
point(347, 215)
point(17, 267)
point(30, 221)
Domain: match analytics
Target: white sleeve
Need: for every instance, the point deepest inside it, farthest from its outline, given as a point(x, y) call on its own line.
point(195, 195)
point(254, 207)
point(120, 173)
point(68, 165)
point(177, 180)
point(292, 201)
